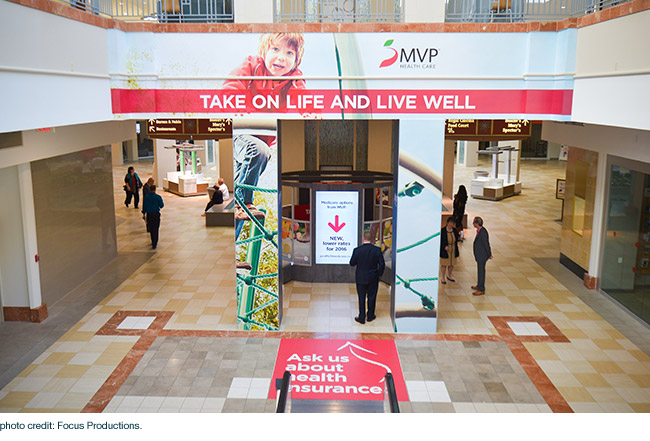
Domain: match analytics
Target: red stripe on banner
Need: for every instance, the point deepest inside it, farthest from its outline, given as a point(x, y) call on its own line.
point(533, 102)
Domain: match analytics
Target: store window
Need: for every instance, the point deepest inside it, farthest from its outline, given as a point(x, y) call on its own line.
point(626, 271)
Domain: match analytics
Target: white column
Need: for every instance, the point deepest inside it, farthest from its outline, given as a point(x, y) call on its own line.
point(253, 11)
point(164, 160)
point(598, 227)
point(132, 149)
point(117, 158)
point(29, 233)
point(470, 158)
point(424, 11)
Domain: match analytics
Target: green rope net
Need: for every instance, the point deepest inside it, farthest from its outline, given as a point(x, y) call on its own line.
point(244, 281)
point(427, 301)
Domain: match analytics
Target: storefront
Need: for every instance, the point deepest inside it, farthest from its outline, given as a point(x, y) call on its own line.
point(626, 248)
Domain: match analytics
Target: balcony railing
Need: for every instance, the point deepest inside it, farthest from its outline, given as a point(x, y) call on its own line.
point(162, 11)
point(338, 11)
point(341, 11)
point(521, 10)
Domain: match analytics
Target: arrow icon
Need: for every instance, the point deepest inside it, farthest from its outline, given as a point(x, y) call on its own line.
point(336, 227)
point(351, 345)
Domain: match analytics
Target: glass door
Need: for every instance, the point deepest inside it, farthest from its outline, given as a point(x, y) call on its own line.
point(626, 272)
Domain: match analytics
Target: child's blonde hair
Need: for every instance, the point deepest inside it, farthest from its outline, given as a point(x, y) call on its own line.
point(294, 39)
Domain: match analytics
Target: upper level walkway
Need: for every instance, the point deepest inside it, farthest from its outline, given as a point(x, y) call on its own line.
point(162, 335)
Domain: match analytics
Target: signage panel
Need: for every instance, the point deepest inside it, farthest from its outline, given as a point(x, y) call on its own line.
point(511, 127)
point(339, 369)
point(484, 128)
point(180, 128)
point(337, 230)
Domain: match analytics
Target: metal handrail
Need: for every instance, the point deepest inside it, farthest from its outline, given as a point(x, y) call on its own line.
point(341, 11)
point(479, 11)
point(161, 11)
point(338, 11)
point(391, 393)
point(283, 392)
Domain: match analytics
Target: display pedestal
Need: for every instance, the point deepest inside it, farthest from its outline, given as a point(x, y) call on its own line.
point(494, 189)
point(187, 184)
point(495, 186)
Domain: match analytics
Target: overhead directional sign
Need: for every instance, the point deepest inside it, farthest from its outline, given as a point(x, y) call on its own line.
point(487, 128)
point(337, 229)
point(189, 128)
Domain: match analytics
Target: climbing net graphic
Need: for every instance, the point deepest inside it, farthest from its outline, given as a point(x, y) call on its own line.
point(248, 289)
point(411, 190)
point(427, 302)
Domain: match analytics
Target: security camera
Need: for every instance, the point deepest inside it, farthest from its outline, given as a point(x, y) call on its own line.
point(412, 189)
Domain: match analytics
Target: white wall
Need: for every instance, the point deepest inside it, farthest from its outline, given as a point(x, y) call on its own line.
point(67, 139)
point(424, 11)
point(164, 159)
point(613, 72)
point(618, 141)
point(53, 70)
point(13, 274)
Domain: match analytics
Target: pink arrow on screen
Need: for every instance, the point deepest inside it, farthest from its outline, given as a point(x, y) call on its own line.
point(336, 227)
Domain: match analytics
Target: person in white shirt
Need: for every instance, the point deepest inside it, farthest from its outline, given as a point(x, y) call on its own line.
point(224, 189)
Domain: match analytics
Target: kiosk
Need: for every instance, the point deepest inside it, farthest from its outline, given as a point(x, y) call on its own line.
point(496, 186)
point(325, 219)
point(188, 181)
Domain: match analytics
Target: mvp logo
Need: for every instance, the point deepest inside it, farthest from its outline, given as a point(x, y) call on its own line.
point(412, 57)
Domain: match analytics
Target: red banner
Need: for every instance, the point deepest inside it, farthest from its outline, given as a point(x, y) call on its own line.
point(304, 102)
point(339, 369)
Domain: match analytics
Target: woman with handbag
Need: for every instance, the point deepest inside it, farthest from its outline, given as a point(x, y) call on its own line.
point(132, 186)
point(448, 250)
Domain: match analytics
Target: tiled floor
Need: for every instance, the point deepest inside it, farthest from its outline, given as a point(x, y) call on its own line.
point(163, 338)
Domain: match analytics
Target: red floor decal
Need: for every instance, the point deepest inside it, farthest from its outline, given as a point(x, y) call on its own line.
point(339, 369)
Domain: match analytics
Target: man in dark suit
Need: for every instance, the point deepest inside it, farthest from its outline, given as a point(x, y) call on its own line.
point(370, 266)
point(482, 252)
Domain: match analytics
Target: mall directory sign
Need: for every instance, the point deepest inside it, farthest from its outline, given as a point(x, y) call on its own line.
point(186, 128)
point(337, 226)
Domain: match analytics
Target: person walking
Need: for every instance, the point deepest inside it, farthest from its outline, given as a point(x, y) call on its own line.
point(147, 187)
point(448, 250)
point(151, 205)
point(132, 187)
point(370, 266)
point(482, 252)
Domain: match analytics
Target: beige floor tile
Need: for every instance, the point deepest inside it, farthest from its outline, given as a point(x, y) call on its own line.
point(575, 394)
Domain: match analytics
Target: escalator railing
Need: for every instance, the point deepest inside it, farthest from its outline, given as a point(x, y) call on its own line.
point(391, 405)
point(283, 388)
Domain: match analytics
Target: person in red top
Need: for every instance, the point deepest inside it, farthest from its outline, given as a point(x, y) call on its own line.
point(279, 55)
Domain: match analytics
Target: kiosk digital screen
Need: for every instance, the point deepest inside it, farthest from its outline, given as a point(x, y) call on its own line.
point(337, 226)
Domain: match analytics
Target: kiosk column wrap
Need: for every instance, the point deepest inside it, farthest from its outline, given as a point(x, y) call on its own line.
point(419, 210)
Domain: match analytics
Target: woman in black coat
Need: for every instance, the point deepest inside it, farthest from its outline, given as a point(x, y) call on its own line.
point(448, 250)
point(460, 201)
